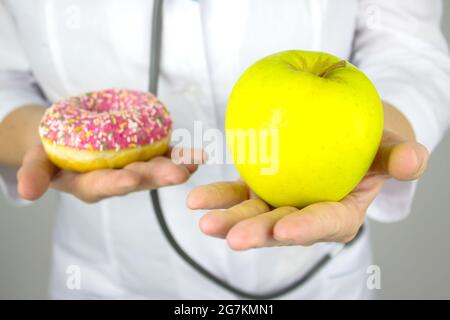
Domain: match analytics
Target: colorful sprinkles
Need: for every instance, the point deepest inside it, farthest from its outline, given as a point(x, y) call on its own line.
point(111, 119)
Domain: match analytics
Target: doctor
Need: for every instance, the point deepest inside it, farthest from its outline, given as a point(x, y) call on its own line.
point(105, 226)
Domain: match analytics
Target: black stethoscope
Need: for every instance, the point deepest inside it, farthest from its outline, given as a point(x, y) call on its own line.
point(155, 54)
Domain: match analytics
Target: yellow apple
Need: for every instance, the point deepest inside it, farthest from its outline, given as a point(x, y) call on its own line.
point(303, 127)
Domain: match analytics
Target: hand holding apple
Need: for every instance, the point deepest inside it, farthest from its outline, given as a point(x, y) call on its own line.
point(249, 222)
point(323, 121)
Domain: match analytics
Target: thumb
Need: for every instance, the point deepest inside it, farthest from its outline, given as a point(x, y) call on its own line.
point(35, 174)
point(402, 160)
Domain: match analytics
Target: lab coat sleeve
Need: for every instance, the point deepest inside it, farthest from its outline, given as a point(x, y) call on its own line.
point(400, 46)
point(17, 88)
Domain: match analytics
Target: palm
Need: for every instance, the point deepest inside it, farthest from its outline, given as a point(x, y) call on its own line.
point(37, 174)
point(248, 222)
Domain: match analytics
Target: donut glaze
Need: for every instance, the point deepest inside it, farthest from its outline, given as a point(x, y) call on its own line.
point(88, 127)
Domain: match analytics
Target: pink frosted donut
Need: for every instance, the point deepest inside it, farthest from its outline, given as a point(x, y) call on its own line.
point(105, 129)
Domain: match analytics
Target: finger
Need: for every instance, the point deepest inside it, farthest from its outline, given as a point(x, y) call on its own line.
point(329, 221)
point(218, 195)
point(97, 185)
point(159, 172)
point(218, 223)
point(189, 157)
point(407, 161)
point(35, 174)
point(257, 232)
point(399, 159)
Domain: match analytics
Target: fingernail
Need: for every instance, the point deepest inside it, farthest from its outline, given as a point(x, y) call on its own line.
point(420, 162)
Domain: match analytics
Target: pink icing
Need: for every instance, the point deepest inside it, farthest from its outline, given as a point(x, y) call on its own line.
point(111, 119)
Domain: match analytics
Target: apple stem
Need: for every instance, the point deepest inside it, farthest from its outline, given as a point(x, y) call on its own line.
point(339, 64)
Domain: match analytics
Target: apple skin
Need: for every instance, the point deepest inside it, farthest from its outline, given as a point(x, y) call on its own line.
point(329, 122)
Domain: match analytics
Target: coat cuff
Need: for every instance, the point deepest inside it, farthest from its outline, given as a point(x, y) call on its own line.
point(394, 201)
point(413, 106)
point(8, 186)
point(17, 89)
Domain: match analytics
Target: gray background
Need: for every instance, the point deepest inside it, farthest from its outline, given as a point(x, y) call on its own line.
point(414, 255)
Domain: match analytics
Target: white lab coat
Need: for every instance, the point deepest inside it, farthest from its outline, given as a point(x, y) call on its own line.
point(51, 49)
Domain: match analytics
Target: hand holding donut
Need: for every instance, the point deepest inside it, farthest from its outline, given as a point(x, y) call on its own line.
point(104, 144)
point(38, 173)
